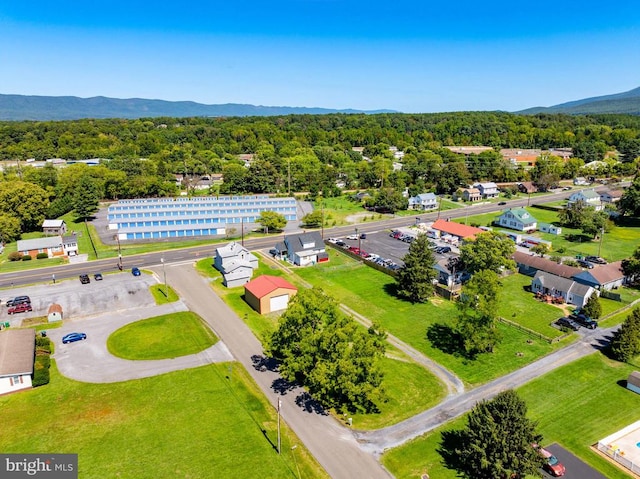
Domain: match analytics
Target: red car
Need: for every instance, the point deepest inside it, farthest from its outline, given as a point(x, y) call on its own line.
point(552, 466)
point(19, 308)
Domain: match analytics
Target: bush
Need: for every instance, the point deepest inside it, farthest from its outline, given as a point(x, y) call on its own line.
point(41, 374)
point(42, 256)
point(43, 344)
point(26, 257)
point(15, 256)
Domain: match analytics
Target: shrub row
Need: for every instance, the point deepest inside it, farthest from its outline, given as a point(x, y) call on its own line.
point(43, 362)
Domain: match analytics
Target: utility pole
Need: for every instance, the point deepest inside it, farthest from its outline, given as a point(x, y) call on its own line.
point(322, 219)
point(289, 176)
point(600, 244)
point(279, 404)
point(242, 230)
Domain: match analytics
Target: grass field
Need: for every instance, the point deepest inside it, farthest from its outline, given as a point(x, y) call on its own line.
point(167, 336)
point(210, 421)
point(370, 293)
point(575, 405)
point(163, 294)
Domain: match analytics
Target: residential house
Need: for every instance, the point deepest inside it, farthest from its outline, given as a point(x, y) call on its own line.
point(70, 245)
point(530, 264)
point(423, 201)
point(304, 249)
point(52, 245)
point(487, 190)
point(588, 197)
point(471, 194)
point(602, 277)
point(517, 219)
point(362, 195)
point(236, 263)
point(54, 227)
point(457, 231)
point(54, 313)
point(17, 352)
point(571, 291)
point(581, 181)
point(267, 294)
point(611, 196)
point(527, 187)
point(550, 228)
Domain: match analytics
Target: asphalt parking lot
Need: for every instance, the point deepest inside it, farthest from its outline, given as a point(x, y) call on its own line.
point(576, 468)
point(115, 292)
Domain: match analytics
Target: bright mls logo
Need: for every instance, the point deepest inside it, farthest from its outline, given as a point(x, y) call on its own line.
point(50, 466)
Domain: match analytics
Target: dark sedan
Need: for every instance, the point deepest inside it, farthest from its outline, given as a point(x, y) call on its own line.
point(73, 337)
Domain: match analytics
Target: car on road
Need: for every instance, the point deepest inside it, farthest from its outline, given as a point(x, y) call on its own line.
point(502, 203)
point(135, 271)
point(20, 308)
point(352, 237)
point(18, 300)
point(73, 337)
point(97, 276)
point(84, 279)
point(363, 235)
point(584, 320)
point(552, 465)
point(568, 323)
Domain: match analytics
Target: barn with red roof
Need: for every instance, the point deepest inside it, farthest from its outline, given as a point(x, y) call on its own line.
point(267, 294)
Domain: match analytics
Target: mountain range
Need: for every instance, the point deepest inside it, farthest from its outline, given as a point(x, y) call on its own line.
point(43, 108)
point(627, 102)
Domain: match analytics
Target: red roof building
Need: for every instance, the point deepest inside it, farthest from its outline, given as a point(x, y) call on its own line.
point(458, 230)
point(267, 294)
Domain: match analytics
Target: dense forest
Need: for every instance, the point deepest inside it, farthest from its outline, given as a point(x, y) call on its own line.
point(297, 153)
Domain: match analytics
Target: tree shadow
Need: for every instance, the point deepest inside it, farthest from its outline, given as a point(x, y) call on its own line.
point(306, 402)
point(445, 339)
point(578, 238)
point(263, 363)
point(282, 386)
point(451, 442)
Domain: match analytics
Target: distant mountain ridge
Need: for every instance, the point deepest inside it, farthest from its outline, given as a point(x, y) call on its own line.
point(627, 102)
point(43, 108)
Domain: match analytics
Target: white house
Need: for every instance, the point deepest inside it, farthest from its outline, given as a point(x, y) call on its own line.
point(517, 219)
point(588, 197)
point(572, 291)
point(304, 249)
point(611, 196)
point(70, 245)
point(423, 201)
point(17, 350)
point(487, 190)
point(236, 263)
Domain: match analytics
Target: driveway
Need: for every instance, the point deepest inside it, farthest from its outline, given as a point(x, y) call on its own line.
point(576, 467)
point(90, 361)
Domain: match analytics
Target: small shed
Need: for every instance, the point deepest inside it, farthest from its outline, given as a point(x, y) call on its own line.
point(267, 294)
point(55, 313)
point(633, 382)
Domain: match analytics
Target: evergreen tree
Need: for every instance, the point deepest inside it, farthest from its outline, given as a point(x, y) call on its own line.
point(85, 197)
point(497, 442)
point(625, 344)
point(415, 279)
point(593, 308)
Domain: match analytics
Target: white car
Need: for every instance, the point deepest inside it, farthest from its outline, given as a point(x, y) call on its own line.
point(333, 240)
point(352, 237)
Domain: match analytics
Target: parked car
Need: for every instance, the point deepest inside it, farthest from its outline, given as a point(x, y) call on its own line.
point(18, 300)
point(595, 259)
point(273, 252)
point(73, 337)
point(135, 271)
point(84, 279)
point(443, 249)
point(363, 235)
point(585, 264)
point(341, 243)
point(20, 308)
point(584, 320)
point(552, 466)
point(568, 323)
point(97, 276)
point(352, 237)
point(333, 240)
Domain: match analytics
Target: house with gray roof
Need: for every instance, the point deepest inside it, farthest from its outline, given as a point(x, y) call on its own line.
point(423, 201)
point(304, 249)
point(17, 352)
point(487, 190)
point(571, 291)
point(52, 245)
point(54, 227)
point(530, 264)
point(588, 197)
point(517, 219)
point(236, 263)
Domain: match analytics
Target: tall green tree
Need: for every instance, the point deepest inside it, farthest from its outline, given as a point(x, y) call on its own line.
point(593, 308)
point(488, 251)
point(9, 228)
point(387, 200)
point(631, 266)
point(625, 343)
point(313, 219)
point(272, 221)
point(416, 278)
point(329, 353)
point(25, 201)
point(86, 197)
point(496, 442)
point(477, 307)
point(629, 204)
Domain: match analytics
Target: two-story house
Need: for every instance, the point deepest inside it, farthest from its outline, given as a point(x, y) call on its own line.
point(423, 201)
point(487, 190)
point(236, 263)
point(588, 197)
point(517, 219)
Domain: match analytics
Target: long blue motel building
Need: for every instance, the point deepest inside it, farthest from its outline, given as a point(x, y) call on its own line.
point(200, 216)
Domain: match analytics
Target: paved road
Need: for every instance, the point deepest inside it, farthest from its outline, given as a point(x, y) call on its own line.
point(332, 444)
point(376, 442)
point(90, 361)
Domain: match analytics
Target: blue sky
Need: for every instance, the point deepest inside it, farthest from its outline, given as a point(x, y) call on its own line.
point(411, 56)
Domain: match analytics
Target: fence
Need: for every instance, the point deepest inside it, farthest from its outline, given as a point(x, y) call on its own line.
point(614, 454)
point(531, 331)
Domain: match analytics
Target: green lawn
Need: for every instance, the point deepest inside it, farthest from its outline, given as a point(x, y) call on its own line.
point(369, 292)
point(338, 209)
point(163, 294)
point(210, 421)
point(575, 405)
point(167, 336)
